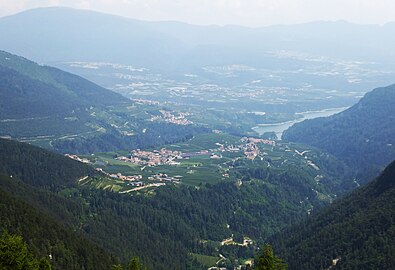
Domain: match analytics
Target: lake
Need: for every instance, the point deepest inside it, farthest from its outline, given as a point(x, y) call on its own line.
point(279, 128)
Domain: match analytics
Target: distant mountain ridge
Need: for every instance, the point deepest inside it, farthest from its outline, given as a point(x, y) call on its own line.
point(45, 35)
point(362, 135)
point(356, 232)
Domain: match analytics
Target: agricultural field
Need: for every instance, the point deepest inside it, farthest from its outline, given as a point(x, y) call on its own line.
point(207, 261)
point(209, 159)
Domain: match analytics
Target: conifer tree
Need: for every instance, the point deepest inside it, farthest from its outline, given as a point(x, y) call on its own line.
point(15, 255)
point(268, 261)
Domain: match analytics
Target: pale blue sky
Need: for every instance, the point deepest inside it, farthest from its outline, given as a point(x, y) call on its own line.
point(222, 12)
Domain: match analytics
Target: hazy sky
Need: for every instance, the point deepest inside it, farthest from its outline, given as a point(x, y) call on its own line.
point(240, 12)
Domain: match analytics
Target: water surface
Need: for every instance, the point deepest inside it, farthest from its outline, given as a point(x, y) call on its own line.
point(279, 128)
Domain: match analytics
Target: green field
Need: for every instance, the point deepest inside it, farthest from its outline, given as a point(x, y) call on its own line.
point(207, 261)
point(202, 169)
point(192, 171)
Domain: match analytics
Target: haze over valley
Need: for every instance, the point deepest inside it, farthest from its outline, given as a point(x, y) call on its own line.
point(140, 144)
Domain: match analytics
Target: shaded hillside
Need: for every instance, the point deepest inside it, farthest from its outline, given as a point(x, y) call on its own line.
point(34, 208)
point(40, 168)
point(53, 213)
point(29, 90)
point(46, 236)
point(164, 226)
point(38, 101)
point(358, 230)
point(362, 135)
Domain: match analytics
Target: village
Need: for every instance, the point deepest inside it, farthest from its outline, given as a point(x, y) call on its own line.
point(154, 158)
point(164, 156)
point(144, 176)
point(251, 149)
point(167, 116)
point(75, 157)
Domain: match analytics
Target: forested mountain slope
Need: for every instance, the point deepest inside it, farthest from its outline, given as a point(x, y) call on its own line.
point(358, 230)
point(162, 227)
point(362, 135)
point(48, 199)
point(40, 168)
point(23, 211)
point(59, 110)
point(29, 90)
point(35, 209)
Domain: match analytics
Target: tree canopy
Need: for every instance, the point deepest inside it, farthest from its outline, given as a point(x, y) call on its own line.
point(268, 261)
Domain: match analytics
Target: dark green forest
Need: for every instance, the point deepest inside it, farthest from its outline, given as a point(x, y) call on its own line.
point(362, 136)
point(24, 211)
point(14, 254)
point(358, 230)
point(161, 229)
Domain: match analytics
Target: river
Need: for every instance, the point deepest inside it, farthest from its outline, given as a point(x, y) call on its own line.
point(279, 128)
